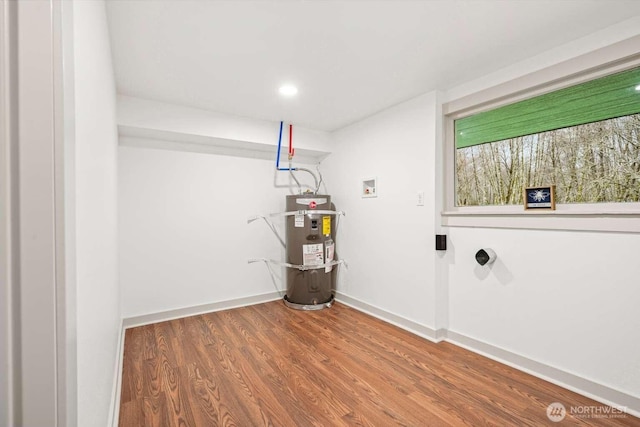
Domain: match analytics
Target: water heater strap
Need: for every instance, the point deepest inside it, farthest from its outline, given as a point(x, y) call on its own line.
point(299, 267)
point(270, 225)
point(307, 212)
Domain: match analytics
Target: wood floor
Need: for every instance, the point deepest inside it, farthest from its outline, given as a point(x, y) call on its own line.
point(269, 365)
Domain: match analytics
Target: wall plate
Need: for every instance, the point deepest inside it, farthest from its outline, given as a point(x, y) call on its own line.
point(369, 187)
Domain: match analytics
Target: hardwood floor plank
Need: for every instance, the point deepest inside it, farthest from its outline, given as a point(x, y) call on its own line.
point(300, 375)
point(132, 365)
point(179, 408)
point(267, 365)
point(370, 378)
point(152, 377)
point(149, 342)
point(204, 396)
point(254, 388)
point(155, 411)
point(215, 389)
point(296, 386)
point(131, 413)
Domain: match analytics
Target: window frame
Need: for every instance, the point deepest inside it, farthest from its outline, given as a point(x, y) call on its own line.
point(612, 217)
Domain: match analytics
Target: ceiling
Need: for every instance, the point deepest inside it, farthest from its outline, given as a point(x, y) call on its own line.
point(349, 59)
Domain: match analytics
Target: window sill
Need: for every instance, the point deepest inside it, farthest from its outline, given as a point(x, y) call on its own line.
point(619, 218)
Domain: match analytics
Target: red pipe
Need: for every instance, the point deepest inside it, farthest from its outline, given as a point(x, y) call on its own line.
point(290, 140)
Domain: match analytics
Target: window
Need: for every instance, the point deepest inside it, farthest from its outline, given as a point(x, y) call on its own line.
point(567, 125)
point(584, 139)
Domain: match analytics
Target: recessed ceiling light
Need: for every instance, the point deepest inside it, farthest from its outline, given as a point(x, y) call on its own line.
point(288, 90)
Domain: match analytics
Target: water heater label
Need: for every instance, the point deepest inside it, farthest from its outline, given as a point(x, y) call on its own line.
point(329, 248)
point(326, 225)
point(299, 220)
point(313, 254)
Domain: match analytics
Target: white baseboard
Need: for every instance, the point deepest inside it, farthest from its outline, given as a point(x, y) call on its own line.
point(585, 387)
point(146, 319)
point(114, 410)
point(399, 321)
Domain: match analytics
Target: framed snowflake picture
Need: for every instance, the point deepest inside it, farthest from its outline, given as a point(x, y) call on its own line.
point(539, 197)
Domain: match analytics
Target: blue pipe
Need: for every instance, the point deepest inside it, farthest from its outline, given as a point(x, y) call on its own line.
point(278, 155)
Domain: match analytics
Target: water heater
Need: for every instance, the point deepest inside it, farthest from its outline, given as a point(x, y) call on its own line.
point(310, 243)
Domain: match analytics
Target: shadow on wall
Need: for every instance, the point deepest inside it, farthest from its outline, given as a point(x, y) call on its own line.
point(497, 268)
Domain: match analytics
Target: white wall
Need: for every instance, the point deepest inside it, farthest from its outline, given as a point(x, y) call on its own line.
point(566, 299)
point(548, 299)
point(98, 311)
point(184, 237)
point(388, 241)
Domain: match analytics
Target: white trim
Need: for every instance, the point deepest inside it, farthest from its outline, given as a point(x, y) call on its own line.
point(161, 316)
point(564, 379)
point(567, 380)
point(614, 58)
point(607, 217)
point(7, 220)
point(394, 319)
point(114, 411)
point(64, 189)
point(131, 136)
point(631, 208)
point(38, 83)
point(615, 223)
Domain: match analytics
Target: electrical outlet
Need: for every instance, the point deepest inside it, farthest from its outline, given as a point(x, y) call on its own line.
point(420, 198)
